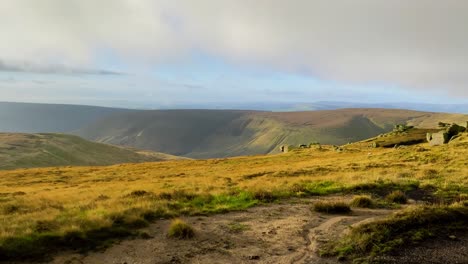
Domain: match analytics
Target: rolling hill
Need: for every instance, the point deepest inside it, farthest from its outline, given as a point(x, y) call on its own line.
point(224, 133)
point(35, 118)
point(46, 211)
point(46, 150)
point(212, 133)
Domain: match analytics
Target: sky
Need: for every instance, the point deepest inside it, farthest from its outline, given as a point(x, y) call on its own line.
point(161, 53)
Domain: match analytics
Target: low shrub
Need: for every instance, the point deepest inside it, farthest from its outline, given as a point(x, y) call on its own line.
point(181, 230)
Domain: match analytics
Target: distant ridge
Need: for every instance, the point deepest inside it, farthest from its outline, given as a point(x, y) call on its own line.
point(224, 133)
point(19, 150)
point(34, 118)
point(199, 133)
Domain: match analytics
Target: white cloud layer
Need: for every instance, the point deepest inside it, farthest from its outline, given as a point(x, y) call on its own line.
point(419, 44)
point(51, 68)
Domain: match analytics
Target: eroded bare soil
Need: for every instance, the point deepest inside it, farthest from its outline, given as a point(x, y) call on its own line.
point(287, 232)
point(276, 233)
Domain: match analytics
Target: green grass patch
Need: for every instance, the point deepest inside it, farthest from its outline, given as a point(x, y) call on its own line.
point(382, 187)
point(237, 227)
point(36, 245)
point(315, 188)
point(47, 238)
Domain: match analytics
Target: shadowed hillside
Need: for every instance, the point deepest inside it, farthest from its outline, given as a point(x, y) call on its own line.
point(177, 131)
point(224, 133)
point(34, 118)
point(46, 150)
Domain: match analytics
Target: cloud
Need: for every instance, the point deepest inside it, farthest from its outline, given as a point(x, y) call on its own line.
point(420, 44)
point(51, 69)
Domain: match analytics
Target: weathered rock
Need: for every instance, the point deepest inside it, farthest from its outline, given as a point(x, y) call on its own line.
point(284, 148)
point(443, 137)
point(429, 137)
point(439, 138)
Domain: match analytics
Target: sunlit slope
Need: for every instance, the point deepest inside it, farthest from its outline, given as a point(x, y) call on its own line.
point(225, 133)
point(430, 120)
point(44, 150)
point(54, 207)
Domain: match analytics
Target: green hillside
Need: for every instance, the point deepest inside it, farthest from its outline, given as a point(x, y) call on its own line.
point(224, 133)
point(46, 150)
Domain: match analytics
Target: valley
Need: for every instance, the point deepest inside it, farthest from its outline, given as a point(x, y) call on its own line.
point(226, 133)
point(213, 133)
point(218, 132)
point(86, 208)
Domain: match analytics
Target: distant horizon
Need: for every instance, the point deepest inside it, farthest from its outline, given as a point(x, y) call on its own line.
point(283, 106)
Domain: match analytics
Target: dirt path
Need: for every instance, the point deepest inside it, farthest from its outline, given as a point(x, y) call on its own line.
point(276, 233)
point(441, 249)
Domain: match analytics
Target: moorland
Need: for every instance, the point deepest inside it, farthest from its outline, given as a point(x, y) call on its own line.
point(44, 210)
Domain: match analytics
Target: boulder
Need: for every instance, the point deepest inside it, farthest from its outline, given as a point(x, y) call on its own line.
point(439, 138)
point(429, 137)
point(284, 148)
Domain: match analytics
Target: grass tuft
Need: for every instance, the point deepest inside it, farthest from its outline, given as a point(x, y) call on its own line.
point(181, 230)
point(397, 197)
point(332, 207)
point(362, 201)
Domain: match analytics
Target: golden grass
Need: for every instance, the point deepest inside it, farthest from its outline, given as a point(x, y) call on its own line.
point(64, 200)
point(362, 201)
point(180, 229)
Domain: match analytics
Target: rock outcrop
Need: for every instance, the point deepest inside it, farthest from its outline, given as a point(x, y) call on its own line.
point(437, 139)
point(284, 148)
point(444, 136)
